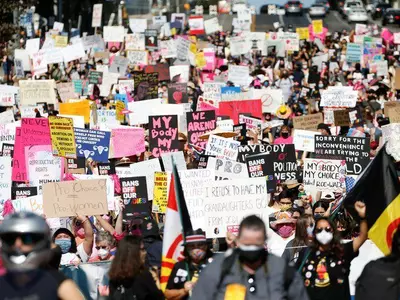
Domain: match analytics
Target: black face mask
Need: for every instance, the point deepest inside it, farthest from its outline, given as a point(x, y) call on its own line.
point(285, 135)
point(252, 256)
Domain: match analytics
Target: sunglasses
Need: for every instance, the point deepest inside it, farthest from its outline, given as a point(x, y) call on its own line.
point(326, 229)
point(101, 247)
point(27, 238)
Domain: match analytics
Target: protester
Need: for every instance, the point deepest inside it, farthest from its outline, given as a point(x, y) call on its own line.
point(104, 244)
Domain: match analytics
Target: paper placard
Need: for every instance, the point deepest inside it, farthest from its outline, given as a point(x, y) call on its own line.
point(146, 168)
point(227, 169)
point(324, 175)
point(160, 194)
point(308, 122)
point(163, 134)
point(304, 140)
point(339, 97)
point(113, 33)
point(133, 134)
point(222, 147)
point(62, 136)
point(36, 91)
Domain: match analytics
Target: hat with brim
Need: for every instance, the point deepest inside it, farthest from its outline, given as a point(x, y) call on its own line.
point(218, 131)
point(282, 218)
point(283, 112)
point(291, 183)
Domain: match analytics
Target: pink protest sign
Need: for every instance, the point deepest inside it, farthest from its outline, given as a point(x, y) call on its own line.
point(321, 36)
point(204, 105)
point(209, 56)
point(33, 131)
point(127, 141)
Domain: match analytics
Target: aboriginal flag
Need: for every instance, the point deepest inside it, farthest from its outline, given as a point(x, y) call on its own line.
point(378, 187)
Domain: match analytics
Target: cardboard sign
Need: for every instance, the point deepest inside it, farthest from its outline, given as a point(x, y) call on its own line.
point(341, 117)
point(163, 134)
point(119, 139)
point(62, 136)
point(227, 169)
point(355, 150)
point(71, 198)
point(23, 192)
point(34, 91)
point(5, 178)
point(239, 199)
point(92, 143)
point(134, 196)
point(222, 147)
point(392, 111)
point(324, 175)
point(177, 93)
point(199, 123)
point(304, 140)
point(308, 122)
point(234, 108)
point(160, 195)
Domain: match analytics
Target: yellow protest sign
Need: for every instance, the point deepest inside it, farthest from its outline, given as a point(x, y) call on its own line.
point(81, 108)
point(160, 192)
point(119, 107)
point(61, 41)
point(317, 26)
point(193, 48)
point(200, 60)
point(173, 31)
point(62, 136)
point(303, 33)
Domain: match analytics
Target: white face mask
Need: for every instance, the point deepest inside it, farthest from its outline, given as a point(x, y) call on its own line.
point(103, 253)
point(324, 237)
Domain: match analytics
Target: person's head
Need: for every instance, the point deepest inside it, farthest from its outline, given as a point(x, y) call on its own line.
point(25, 240)
point(324, 129)
point(104, 243)
point(325, 234)
point(196, 246)
point(304, 230)
point(65, 240)
point(320, 208)
point(285, 200)
point(129, 259)
point(285, 131)
point(297, 213)
point(251, 239)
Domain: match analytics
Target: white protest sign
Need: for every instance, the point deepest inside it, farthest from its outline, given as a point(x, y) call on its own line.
point(29, 111)
point(396, 36)
point(105, 118)
point(193, 185)
point(54, 55)
point(97, 14)
point(58, 26)
point(113, 33)
point(7, 117)
point(240, 45)
point(304, 140)
point(7, 95)
point(227, 202)
point(135, 41)
point(5, 178)
point(182, 48)
point(225, 125)
point(339, 97)
point(39, 63)
point(159, 20)
point(147, 168)
point(318, 60)
point(227, 169)
point(291, 40)
point(7, 133)
point(391, 135)
point(137, 58)
point(137, 25)
point(109, 186)
point(141, 110)
point(271, 99)
point(252, 124)
point(73, 52)
point(168, 48)
point(123, 172)
point(29, 204)
point(179, 159)
point(181, 73)
point(222, 147)
point(66, 91)
point(32, 46)
point(211, 25)
point(324, 174)
point(212, 91)
point(79, 121)
point(36, 91)
point(238, 74)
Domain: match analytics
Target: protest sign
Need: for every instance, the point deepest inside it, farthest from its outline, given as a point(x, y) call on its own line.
point(61, 41)
point(135, 41)
point(212, 91)
point(291, 40)
point(308, 122)
point(62, 136)
point(253, 124)
point(81, 108)
point(391, 136)
point(19, 68)
point(146, 86)
point(119, 138)
point(161, 69)
point(113, 33)
point(353, 54)
point(97, 14)
point(324, 175)
point(95, 77)
point(147, 168)
point(137, 58)
point(317, 26)
point(34, 91)
point(341, 117)
point(71, 198)
point(392, 111)
point(240, 45)
point(134, 195)
point(106, 168)
point(177, 93)
point(199, 123)
point(141, 110)
point(23, 192)
point(203, 161)
point(355, 150)
point(303, 33)
point(66, 91)
point(226, 203)
point(137, 25)
point(42, 166)
point(196, 25)
point(5, 178)
point(151, 39)
point(29, 204)
point(211, 25)
point(92, 143)
point(7, 133)
point(271, 99)
point(160, 195)
point(163, 134)
point(7, 95)
point(119, 65)
point(234, 108)
point(179, 73)
point(222, 147)
point(304, 140)
point(238, 74)
point(246, 150)
point(179, 160)
point(7, 150)
point(106, 119)
point(227, 169)
point(73, 52)
point(7, 117)
point(225, 125)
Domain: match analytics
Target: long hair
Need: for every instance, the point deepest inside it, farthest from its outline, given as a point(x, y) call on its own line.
point(335, 247)
point(301, 236)
point(127, 262)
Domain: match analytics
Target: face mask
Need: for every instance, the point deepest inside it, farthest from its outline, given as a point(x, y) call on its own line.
point(285, 135)
point(64, 244)
point(324, 238)
point(285, 207)
point(103, 253)
point(320, 86)
point(305, 67)
point(310, 230)
point(80, 233)
point(197, 254)
point(285, 231)
point(251, 254)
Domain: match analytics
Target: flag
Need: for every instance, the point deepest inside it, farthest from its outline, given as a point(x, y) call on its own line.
point(177, 222)
point(378, 186)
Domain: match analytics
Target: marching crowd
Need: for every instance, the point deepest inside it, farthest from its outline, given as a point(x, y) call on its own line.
point(320, 230)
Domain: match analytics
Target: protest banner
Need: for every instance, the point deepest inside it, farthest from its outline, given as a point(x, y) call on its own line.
point(238, 74)
point(199, 123)
point(62, 136)
point(23, 192)
point(42, 166)
point(106, 168)
point(304, 140)
point(137, 58)
point(97, 14)
point(147, 168)
point(92, 143)
point(222, 147)
point(163, 134)
point(324, 175)
point(5, 178)
point(34, 91)
point(355, 150)
point(33, 131)
point(353, 54)
point(226, 203)
point(29, 204)
point(81, 108)
point(234, 108)
point(71, 198)
point(227, 169)
point(341, 117)
point(177, 93)
point(160, 194)
point(308, 122)
point(119, 138)
point(134, 196)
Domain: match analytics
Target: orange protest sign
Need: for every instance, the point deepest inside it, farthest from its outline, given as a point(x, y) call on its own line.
point(81, 108)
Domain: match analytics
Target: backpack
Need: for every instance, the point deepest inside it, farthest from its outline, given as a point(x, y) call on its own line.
point(380, 279)
point(123, 293)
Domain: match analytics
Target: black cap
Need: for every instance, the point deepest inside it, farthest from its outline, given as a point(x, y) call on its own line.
point(325, 127)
